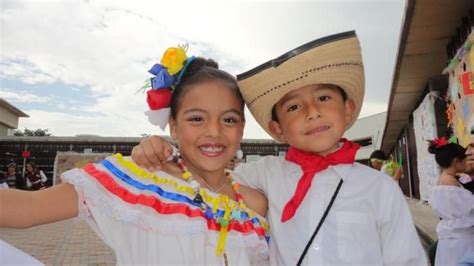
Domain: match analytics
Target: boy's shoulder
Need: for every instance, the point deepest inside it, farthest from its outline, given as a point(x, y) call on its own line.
point(272, 165)
point(362, 173)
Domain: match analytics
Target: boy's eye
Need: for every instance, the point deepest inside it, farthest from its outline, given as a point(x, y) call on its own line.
point(324, 98)
point(231, 120)
point(292, 108)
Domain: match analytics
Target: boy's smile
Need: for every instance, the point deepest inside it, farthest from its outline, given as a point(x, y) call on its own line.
point(312, 118)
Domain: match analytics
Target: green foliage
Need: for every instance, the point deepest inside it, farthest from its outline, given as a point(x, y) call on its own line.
point(32, 133)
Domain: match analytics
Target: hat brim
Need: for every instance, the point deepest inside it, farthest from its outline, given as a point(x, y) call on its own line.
point(334, 59)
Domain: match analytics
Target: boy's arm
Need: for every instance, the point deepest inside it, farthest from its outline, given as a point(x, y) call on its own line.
point(255, 174)
point(22, 209)
point(152, 152)
point(400, 242)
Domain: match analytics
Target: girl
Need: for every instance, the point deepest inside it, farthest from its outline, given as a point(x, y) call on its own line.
point(190, 213)
point(34, 177)
point(452, 203)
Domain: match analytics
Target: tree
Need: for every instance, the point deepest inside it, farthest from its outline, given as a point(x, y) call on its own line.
point(37, 132)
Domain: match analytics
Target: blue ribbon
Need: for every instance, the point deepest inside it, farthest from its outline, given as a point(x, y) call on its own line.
point(162, 78)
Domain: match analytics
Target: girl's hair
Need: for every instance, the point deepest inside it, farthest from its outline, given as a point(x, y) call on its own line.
point(199, 71)
point(446, 154)
point(33, 165)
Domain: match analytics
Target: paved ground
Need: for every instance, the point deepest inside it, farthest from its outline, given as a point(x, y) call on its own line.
point(424, 217)
point(73, 242)
point(68, 242)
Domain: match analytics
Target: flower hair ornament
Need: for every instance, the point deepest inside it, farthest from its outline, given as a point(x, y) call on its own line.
point(167, 75)
point(439, 142)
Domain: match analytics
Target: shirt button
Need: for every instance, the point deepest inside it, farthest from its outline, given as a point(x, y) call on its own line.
point(316, 247)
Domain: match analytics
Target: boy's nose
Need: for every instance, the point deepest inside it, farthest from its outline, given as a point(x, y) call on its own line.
point(312, 112)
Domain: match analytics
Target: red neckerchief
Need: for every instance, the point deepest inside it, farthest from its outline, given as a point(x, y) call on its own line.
point(312, 163)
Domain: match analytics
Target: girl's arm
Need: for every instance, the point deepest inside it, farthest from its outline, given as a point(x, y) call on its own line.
point(255, 200)
point(22, 209)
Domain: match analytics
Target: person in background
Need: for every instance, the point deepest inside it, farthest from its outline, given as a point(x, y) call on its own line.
point(13, 177)
point(34, 177)
point(378, 160)
point(452, 203)
point(470, 153)
point(3, 181)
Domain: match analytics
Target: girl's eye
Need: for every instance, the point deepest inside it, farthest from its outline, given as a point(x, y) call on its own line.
point(324, 98)
point(292, 108)
point(195, 119)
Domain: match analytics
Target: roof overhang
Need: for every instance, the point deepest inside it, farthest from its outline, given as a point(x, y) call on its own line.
point(12, 108)
point(427, 29)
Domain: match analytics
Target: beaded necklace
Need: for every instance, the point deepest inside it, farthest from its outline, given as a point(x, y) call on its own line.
point(210, 212)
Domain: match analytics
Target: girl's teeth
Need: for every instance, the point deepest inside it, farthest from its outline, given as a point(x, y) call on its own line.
point(211, 149)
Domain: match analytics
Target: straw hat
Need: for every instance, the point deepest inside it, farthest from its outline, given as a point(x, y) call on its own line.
point(334, 59)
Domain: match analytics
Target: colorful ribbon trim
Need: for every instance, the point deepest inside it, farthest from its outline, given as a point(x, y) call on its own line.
point(214, 201)
point(168, 208)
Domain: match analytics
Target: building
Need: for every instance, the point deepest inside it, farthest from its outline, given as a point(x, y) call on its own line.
point(367, 131)
point(433, 31)
point(9, 116)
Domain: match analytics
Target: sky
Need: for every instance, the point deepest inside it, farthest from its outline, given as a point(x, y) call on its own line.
point(75, 67)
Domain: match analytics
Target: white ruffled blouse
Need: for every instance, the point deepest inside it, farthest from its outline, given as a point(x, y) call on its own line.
point(152, 218)
point(455, 207)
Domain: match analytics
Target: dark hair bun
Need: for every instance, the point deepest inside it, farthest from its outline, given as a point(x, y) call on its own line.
point(198, 64)
point(432, 148)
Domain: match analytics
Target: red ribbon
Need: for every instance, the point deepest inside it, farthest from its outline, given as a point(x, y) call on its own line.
point(312, 163)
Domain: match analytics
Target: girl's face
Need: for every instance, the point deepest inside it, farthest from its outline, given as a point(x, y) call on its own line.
point(29, 167)
point(208, 127)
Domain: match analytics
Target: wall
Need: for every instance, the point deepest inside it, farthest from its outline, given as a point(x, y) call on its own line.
point(461, 91)
point(367, 127)
point(7, 118)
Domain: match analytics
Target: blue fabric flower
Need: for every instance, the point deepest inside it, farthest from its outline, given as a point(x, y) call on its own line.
point(161, 79)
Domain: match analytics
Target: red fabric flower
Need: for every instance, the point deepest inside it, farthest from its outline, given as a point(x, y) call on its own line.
point(440, 142)
point(158, 99)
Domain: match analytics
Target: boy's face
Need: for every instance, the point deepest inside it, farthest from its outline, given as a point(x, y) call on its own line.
point(312, 118)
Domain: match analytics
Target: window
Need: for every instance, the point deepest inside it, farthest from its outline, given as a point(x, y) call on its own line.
point(364, 142)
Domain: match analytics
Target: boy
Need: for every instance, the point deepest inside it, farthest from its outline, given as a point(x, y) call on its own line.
point(307, 98)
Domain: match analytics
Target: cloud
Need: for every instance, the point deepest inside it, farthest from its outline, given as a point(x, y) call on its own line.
point(22, 96)
point(62, 124)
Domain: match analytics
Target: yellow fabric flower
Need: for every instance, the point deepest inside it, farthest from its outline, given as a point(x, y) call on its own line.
point(174, 59)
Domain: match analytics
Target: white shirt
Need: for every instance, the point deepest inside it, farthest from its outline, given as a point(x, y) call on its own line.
point(369, 223)
point(455, 205)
